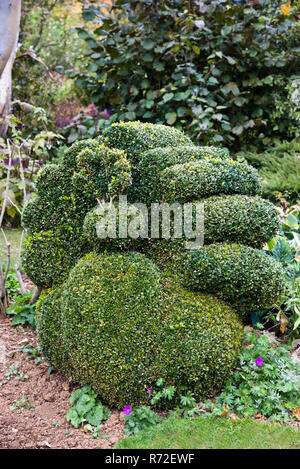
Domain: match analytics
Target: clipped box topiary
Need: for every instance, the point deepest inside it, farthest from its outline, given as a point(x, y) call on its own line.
point(113, 319)
point(119, 325)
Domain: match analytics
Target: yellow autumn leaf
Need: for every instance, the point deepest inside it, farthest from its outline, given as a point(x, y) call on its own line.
point(285, 9)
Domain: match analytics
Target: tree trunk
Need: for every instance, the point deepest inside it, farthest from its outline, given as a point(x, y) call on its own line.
point(10, 13)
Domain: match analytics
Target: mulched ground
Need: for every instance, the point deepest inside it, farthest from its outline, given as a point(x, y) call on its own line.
point(45, 425)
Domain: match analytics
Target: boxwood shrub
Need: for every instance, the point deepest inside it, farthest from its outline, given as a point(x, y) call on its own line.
point(248, 278)
point(137, 137)
point(107, 217)
point(122, 325)
point(239, 219)
point(152, 162)
point(69, 160)
point(198, 179)
point(48, 256)
point(50, 327)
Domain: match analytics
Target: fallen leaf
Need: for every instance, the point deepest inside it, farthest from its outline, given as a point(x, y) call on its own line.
point(297, 413)
point(226, 410)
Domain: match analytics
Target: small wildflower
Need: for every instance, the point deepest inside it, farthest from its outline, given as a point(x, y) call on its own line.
point(149, 389)
point(259, 361)
point(127, 409)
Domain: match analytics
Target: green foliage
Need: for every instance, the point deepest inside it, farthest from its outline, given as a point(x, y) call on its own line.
point(32, 353)
point(216, 69)
point(137, 137)
point(140, 420)
point(12, 285)
point(23, 311)
point(285, 248)
point(50, 327)
point(69, 159)
point(121, 326)
point(48, 256)
point(86, 407)
point(240, 219)
point(102, 231)
point(14, 372)
point(30, 142)
point(153, 162)
point(115, 321)
point(271, 390)
point(22, 404)
point(46, 42)
point(198, 179)
point(245, 276)
point(279, 169)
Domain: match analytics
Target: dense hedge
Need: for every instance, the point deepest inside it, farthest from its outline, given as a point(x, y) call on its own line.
point(198, 179)
point(48, 256)
point(69, 160)
point(108, 218)
point(248, 278)
point(137, 137)
point(153, 162)
point(113, 319)
point(122, 326)
point(239, 219)
point(50, 327)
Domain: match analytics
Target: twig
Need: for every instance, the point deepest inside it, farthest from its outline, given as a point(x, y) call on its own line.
point(36, 294)
point(9, 199)
point(7, 184)
point(22, 176)
point(8, 256)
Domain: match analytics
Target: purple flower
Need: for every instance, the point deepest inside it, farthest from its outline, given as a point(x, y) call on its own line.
point(259, 361)
point(149, 389)
point(127, 409)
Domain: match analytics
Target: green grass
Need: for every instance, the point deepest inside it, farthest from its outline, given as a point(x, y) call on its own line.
point(214, 433)
point(14, 237)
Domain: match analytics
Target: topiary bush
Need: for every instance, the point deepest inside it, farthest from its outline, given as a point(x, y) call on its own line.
point(137, 137)
point(115, 313)
point(48, 256)
point(120, 325)
point(198, 179)
point(245, 276)
point(152, 162)
point(239, 219)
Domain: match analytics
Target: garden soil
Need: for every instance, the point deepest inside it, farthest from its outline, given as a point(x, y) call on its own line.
point(43, 424)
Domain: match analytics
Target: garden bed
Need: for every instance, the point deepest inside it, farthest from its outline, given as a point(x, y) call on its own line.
point(44, 425)
point(41, 423)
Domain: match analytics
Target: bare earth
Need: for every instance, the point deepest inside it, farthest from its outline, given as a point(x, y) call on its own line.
point(45, 425)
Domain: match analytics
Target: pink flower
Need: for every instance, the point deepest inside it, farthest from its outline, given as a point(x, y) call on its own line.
point(259, 361)
point(127, 409)
point(149, 389)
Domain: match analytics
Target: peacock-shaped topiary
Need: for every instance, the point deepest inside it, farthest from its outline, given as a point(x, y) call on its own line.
point(120, 312)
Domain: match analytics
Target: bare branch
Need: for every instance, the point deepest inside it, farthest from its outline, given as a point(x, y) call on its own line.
point(7, 183)
point(36, 294)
